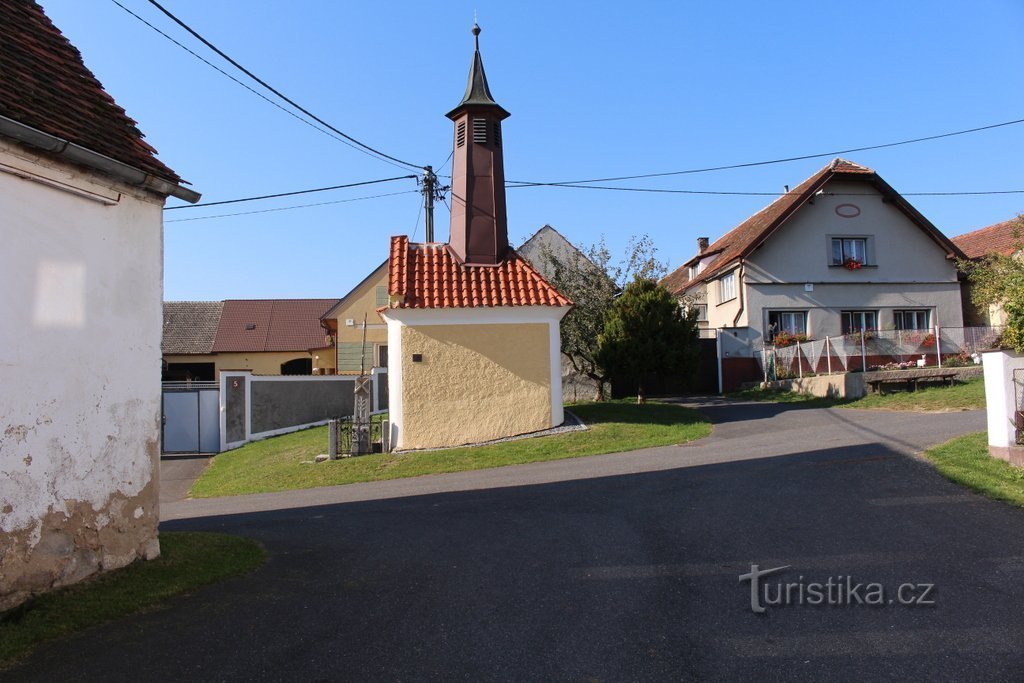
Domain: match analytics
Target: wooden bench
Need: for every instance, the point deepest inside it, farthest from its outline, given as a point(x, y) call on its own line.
point(909, 378)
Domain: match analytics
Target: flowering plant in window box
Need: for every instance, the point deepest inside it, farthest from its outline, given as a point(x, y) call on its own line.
point(785, 338)
point(852, 264)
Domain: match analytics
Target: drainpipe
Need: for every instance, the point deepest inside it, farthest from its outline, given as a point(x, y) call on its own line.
point(82, 156)
point(740, 272)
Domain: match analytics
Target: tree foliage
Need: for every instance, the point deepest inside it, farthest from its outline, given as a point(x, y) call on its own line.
point(999, 280)
point(647, 334)
point(591, 279)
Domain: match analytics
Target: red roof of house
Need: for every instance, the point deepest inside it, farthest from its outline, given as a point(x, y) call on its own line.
point(748, 235)
point(1002, 238)
point(431, 276)
point(45, 84)
point(252, 325)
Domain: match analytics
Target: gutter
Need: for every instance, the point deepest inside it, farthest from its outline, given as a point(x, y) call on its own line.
point(82, 156)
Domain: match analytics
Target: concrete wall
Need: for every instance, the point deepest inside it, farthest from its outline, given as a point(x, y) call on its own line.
point(483, 374)
point(1001, 404)
point(844, 385)
point(81, 275)
point(259, 363)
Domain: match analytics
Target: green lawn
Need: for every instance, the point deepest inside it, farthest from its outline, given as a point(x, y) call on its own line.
point(965, 461)
point(187, 561)
point(969, 395)
point(275, 464)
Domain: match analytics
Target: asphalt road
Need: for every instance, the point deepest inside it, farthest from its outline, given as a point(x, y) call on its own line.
point(620, 567)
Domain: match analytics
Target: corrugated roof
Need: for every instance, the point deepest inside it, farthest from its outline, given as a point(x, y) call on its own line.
point(190, 326)
point(745, 237)
point(45, 84)
point(1002, 238)
point(430, 276)
point(253, 325)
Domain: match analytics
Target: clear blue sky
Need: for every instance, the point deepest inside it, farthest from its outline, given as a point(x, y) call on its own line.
point(595, 89)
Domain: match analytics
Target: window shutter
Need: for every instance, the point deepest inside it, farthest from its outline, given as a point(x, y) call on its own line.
point(382, 296)
point(349, 355)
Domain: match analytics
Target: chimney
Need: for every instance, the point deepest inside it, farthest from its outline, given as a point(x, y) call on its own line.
point(702, 245)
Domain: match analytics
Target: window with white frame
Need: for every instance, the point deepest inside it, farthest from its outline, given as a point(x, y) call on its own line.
point(859, 321)
point(790, 322)
point(727, 287)
point(915, 319)
point(702, 312)
point(846, 249)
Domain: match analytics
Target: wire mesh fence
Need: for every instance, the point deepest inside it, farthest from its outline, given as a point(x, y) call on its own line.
point(878, 350)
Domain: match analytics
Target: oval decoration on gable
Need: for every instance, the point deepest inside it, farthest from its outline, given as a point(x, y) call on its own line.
point(848, 210)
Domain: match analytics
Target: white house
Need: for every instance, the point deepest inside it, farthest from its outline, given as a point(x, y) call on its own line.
point(81, 276)
point(841, 252)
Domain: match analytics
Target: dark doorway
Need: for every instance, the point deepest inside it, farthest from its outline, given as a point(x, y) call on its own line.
point(185, 372)
point(298, 366)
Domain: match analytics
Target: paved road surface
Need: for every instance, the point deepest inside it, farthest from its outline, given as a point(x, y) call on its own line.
point(606, 568)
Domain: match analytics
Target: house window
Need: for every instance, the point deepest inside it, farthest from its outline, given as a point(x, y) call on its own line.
point(853, 248)
point(912, 320)
point(858, 321)
point(727, 287)
point(791, 322)
point(382, 355)
point(701, 309)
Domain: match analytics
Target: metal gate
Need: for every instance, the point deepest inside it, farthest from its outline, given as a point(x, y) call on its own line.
point(191, 417)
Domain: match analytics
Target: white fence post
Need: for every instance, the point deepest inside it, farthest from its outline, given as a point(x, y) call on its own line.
point(863, 354)
point(799, 361)
point(828, 354)
point(938, 345)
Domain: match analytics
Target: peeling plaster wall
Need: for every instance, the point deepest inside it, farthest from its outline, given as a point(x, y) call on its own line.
point(80, 374)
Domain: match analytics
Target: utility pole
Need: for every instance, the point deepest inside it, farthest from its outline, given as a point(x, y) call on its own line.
point(429, 183)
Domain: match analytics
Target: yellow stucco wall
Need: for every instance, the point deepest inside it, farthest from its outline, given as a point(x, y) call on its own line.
point(263, 363)
point(357, 303)
point(475, 383)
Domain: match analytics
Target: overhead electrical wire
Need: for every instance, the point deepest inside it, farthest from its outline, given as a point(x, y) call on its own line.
point(708, 169)
point(288, 194)
point(363, 147)
point(288, 208)
point(764, 194)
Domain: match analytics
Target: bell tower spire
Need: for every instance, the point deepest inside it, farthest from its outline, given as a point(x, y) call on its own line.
point(479, 227)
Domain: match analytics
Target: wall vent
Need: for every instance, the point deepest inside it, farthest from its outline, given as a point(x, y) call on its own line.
point(497, 133)
point(479, 131)
point(460, 134)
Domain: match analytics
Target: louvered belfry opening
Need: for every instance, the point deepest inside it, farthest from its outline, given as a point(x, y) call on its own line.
point(479, 227)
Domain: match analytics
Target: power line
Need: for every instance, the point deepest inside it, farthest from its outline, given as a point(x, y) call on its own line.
point(771, 161)
point(763, 194)
point(364, 147)
point(288, 194)
point(288, 208)
point(244, 85)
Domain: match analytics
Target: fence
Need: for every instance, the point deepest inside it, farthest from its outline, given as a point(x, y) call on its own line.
point(878, 350)
point(257, 406)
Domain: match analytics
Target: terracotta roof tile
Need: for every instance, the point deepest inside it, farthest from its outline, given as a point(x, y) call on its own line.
point(1002, 238)
point(45, 84)
point(430, 276)
point(745, 237)
point(253, 325)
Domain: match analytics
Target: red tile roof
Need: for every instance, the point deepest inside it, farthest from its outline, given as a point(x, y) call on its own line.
point(431, 276)
point(45, 84)
point(1002, 238)
point(277, 325)
point(748, 235)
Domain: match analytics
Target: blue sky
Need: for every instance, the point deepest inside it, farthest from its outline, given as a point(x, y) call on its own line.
point(595, 89)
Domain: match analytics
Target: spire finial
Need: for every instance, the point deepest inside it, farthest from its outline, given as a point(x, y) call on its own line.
point(476, 32)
